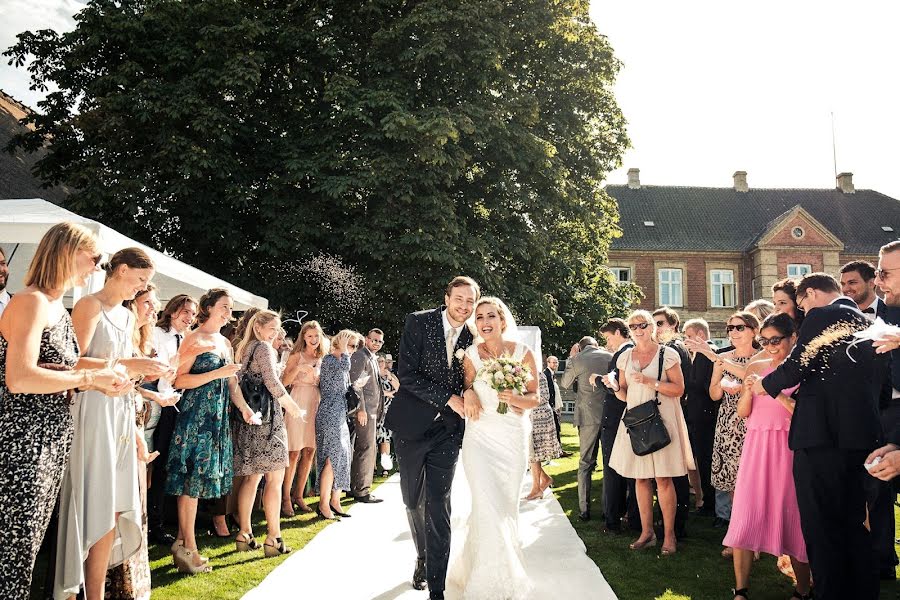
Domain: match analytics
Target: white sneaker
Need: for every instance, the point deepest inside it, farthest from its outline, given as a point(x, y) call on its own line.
point(386, 463)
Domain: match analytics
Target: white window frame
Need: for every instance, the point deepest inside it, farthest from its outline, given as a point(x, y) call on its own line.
point(799, 270)
point(721, 284)
point(618, 271)
point(671, 287)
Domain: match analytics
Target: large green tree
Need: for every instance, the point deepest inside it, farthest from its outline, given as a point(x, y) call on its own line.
point(347, 157)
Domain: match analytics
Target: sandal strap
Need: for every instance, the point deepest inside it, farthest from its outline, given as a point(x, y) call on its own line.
point(740, 592)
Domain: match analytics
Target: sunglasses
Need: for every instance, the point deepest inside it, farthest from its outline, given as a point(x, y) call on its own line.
point(636, 326)
point(772, 341)
point(97, 258)
point(880, 273)
point(351, 346)
point(376, 341)
point(660, 323)
point(730, 328)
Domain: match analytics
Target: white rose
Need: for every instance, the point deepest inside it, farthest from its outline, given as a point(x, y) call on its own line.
point(460, 353)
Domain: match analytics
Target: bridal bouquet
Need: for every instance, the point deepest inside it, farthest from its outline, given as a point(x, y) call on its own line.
point(505, 373)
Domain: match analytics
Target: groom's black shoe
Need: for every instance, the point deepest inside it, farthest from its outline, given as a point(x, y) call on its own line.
point(585, 516)
point(419, 575)
point(436, 596)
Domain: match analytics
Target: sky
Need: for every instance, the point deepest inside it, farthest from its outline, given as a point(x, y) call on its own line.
point(710, 88)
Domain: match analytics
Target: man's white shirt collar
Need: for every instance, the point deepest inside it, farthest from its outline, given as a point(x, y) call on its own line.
point(448, 326)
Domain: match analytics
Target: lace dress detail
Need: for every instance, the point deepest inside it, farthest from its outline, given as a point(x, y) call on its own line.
point(544, 444)
point(729, 440)
point(261, 448)
point(490, 565)
point(35, 440)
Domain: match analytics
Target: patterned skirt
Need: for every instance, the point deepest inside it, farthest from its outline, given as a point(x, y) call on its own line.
point(544, 445)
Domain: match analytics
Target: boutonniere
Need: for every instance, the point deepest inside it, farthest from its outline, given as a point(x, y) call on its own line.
point(459, 354)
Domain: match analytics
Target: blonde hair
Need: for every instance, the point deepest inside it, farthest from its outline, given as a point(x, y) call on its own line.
point(496, 303)
point(643, 316)
point(343, 337)
point(53, 265)
point(300, 346)
point(261, 318)
point(761, 308)
point(143, 335)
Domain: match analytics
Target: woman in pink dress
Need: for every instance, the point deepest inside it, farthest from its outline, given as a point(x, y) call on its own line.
point(765, 516)
point(302, 374)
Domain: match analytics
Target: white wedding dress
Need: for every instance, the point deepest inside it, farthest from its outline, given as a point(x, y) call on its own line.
point(487, 562)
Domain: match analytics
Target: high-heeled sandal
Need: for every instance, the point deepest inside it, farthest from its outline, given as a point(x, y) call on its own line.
point(276, 549)
point(247, 544)
point(287, 514)
point(741, 592)
point(180, 544)
point(184, 562)
point(301, 506)
point(668, 551)
point(649, 543)
point(338, 512)
point(322, 515)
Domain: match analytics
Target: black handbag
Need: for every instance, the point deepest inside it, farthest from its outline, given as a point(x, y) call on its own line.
point(257, 395)
point(644, 423)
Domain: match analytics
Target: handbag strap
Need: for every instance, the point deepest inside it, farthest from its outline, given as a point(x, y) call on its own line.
point(659, 374)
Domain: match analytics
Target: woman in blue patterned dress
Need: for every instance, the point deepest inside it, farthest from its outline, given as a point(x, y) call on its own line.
point(332, 433)
point(200, 457)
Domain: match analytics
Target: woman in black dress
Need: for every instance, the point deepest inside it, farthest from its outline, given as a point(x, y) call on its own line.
point(39, 364)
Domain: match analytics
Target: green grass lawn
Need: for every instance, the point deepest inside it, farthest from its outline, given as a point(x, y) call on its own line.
point(696, 572)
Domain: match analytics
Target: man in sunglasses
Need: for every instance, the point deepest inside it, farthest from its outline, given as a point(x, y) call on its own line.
point(834, 428)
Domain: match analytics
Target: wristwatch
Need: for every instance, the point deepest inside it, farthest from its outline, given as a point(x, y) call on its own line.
point(656, 386)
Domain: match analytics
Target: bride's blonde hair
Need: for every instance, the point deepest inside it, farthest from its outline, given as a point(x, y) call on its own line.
point(497, 303)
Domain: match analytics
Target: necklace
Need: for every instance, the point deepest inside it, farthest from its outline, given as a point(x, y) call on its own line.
point(491, 353)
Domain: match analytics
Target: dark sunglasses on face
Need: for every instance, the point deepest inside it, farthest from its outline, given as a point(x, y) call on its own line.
point(97, 258)
point(636, 326)
point(660, 323)
point(730, 328)
point(772, 341)
point(353, 346)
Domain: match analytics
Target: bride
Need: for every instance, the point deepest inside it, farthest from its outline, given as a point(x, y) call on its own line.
point(494, 453)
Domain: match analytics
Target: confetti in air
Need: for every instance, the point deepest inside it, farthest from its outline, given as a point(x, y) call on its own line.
point(336, 279)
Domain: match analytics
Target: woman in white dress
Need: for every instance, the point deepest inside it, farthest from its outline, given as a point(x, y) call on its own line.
point(494, 457)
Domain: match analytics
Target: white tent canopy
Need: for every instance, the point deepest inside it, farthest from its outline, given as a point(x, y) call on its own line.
point(24, 222)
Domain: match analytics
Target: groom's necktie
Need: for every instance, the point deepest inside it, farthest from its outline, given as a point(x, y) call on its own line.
point(450, 346)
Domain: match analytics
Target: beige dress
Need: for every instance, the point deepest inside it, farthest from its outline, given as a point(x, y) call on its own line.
point(675, 459)
point(301, 430)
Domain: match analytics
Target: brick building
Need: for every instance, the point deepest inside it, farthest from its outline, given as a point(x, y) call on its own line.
point(707, 252)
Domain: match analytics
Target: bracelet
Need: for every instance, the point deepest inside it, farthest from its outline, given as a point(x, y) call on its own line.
point(656, 385)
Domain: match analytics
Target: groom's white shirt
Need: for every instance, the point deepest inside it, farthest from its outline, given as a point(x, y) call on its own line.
point(448, 327)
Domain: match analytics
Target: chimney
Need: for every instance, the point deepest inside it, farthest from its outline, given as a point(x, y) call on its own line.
point(634, 179)
point(845, 183)
point(740, 181)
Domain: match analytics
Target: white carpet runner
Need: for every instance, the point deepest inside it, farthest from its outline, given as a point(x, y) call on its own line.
point(371, 556)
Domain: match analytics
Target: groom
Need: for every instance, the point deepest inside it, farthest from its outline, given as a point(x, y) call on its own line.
point(426, 420)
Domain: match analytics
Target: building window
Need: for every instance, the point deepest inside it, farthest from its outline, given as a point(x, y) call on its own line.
point(798, 233)
point(670, 287)
point(621, 274)
point(722, 288)
point(796, 271)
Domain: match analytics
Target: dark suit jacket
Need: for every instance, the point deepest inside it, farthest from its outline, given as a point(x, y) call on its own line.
point(837, 403)
point(700, 407)
point(613, 408)
point(426, 382)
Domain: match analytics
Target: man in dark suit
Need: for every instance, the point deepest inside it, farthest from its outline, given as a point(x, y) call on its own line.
point(834, 428)
point(555, 401)
point(619, 497)
point(858, 283)
point(426, 418)
point(585, 359)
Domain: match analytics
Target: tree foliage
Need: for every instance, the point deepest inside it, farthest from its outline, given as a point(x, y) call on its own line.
point(409, 140)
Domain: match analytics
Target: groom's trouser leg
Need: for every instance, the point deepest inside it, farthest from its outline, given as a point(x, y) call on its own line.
point(440, 465)
point(831, 496)
point(411, 462)
point(589, 444)
point(614, 485)
point(362, 469)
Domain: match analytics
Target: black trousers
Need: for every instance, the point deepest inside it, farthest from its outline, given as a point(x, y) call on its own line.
point(619, 498)
point(831, 493)
point(426, 473)
point(702, 435)
point(156, 494)
point(558, 426)
point(682, 504)
point(881, 507)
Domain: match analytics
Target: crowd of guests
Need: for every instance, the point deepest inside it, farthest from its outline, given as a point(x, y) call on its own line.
point(780, 434)
point(107, 413)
